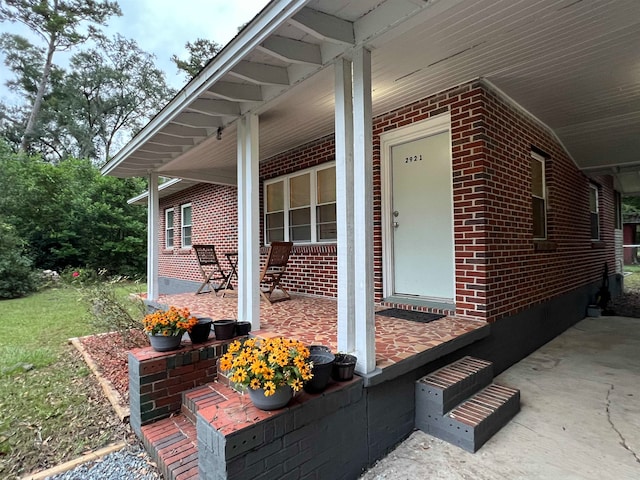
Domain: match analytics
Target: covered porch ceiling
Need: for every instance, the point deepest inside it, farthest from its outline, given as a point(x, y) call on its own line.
point(575, 65)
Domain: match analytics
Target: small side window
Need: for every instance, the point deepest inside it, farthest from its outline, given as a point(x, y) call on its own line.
point(186, 225)
point(168, 228)
point(538, 197)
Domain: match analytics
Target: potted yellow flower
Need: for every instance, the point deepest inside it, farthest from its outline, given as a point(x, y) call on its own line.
point(166, 327)
point(272, 369)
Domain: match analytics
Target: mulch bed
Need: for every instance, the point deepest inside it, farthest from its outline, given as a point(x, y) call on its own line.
point(110, 353)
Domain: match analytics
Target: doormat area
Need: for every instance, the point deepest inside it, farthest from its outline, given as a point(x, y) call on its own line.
point(421, 317)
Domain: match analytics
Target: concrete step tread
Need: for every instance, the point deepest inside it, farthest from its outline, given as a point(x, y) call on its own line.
point(483, 404)
point(173, 444)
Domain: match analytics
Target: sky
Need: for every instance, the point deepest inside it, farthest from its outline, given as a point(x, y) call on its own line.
point(162, 27)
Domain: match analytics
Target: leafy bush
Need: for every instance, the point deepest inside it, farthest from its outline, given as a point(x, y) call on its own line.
point(17, 277)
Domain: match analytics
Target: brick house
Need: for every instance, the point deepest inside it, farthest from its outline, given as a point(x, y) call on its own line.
point(436, 156)
point(454, 186)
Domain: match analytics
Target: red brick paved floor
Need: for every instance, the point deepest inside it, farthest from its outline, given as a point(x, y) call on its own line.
point(313, 320)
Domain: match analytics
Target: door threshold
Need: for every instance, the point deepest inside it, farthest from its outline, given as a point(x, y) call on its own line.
point(397, 300)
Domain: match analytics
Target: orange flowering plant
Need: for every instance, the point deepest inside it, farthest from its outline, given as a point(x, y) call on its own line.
point(268, 364)
point(169, 323)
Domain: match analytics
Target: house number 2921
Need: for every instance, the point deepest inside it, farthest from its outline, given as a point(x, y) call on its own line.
point(413, 158)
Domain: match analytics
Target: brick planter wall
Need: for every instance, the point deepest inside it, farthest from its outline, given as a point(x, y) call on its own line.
point(157, 379)
point(319, 436)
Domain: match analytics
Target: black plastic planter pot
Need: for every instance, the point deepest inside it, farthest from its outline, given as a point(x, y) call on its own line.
point(200, 332)
point(243, 328)
point(224, 329)
point(322, 365)
point(343, 367)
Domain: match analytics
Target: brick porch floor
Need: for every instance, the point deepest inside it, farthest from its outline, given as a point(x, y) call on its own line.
point(313, 320)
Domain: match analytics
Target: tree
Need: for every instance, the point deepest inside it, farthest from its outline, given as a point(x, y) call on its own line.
point(200, 52)
point(61, 24)
point(71, 216)
point(112, 91)
point(108, 94)
point(16, 275)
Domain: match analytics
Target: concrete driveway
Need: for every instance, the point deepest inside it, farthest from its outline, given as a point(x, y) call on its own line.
point(580, 416)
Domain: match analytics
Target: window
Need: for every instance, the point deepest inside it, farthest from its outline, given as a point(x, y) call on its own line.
point(538, 197)
point(594, 212)
point(168, 228)
point(302, 207)
point(185, 215)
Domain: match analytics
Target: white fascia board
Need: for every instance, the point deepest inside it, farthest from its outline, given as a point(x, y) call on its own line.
point(275, 14)
point(162, 186)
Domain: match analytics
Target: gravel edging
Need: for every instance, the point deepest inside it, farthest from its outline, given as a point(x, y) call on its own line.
point(128, 463)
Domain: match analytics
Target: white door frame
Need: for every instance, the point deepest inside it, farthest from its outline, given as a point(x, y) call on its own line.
point(431, 126)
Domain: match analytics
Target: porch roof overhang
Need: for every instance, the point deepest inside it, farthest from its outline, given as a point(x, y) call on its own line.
point(573, 65)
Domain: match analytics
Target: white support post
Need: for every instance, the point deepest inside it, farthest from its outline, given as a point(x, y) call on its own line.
point(248, 222)
point(153, 250)
point(344, 205)
point(363, 211)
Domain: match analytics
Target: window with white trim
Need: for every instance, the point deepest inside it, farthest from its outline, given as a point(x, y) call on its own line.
point(185, 216)
point(538, 196)
point(594, 211)
point(168, 227)
point(301, 207)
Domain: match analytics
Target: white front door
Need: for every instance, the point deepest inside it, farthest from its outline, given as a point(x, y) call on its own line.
point(422, 218)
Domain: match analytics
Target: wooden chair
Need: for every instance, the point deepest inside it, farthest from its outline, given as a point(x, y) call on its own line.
point(212, 273)
point(273, 269)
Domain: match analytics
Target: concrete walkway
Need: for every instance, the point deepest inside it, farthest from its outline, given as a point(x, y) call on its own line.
point(580, 416)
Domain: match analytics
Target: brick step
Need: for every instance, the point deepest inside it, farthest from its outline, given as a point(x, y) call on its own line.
point(172, 443)
point(202, 397)
point(470, 424)
point(442, 390)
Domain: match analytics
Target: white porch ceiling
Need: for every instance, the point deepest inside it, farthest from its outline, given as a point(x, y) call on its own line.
point(575, 65)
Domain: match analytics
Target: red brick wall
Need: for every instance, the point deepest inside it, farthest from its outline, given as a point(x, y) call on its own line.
point(499, 272)
point(215, 221)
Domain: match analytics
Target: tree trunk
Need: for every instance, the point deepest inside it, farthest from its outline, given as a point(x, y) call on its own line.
point(37, 103)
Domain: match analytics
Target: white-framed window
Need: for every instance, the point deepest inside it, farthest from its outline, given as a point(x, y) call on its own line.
point(168, 227)
point(301, 207)
point(538, 196)
point(185, 216)
point(594, 211)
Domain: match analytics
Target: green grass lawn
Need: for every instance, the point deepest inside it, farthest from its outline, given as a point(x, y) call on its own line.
point(50, 404)
point(632, 282)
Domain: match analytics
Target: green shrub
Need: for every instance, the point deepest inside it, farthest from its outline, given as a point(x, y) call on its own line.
point(17, 277)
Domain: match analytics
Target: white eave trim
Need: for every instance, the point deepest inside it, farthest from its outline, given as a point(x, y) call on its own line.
point(144, 195)
point(275, 14)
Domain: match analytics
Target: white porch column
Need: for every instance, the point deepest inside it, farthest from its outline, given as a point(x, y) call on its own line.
point(248, 222)
point(344, 205)
point(153, 249)
point(363, 211)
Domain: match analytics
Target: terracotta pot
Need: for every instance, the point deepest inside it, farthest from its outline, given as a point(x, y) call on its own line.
point(224, 329)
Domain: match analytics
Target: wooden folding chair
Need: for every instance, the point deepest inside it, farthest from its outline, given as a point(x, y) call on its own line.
point(212, 273)
point(273, 270)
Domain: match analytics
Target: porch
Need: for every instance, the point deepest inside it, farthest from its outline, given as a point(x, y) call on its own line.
point(196, 427)
point(400, 345)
